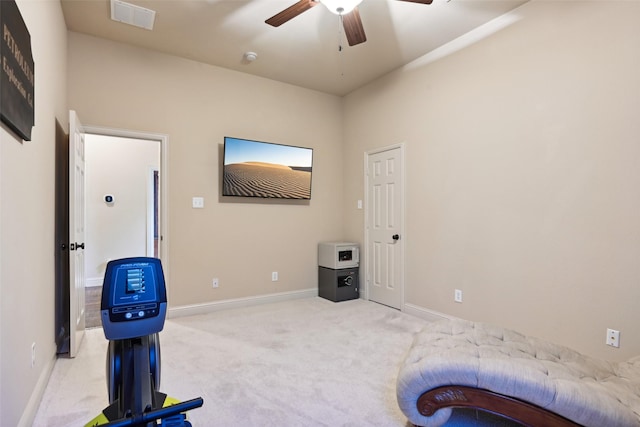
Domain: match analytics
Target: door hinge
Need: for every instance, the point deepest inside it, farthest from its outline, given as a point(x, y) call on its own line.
point(75, 246)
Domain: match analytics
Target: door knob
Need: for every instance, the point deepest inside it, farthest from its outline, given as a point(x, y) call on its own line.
point(396, 237)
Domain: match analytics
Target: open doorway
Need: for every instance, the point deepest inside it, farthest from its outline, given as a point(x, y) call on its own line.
point(123, 206)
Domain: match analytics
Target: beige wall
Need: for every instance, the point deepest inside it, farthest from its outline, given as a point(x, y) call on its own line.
point(26, 223)
point(522, 173)
point(120, 167)
point(522, 154)
point(239, 241)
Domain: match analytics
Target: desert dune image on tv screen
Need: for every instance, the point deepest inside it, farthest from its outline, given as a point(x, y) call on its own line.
point(260, 169)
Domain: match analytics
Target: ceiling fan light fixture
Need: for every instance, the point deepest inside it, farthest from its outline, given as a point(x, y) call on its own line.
point(340, 7)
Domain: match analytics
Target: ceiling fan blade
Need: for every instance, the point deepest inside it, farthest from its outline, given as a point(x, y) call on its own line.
point(353, 28)
point(420, 1)
point(291, 12)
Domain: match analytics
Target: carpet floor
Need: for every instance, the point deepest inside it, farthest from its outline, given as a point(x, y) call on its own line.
point(307, 362)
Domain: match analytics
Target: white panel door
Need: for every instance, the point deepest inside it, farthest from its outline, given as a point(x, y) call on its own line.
point(76, 233)
point(385, 255)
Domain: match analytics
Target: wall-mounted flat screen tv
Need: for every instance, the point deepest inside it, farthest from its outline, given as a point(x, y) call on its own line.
point(265, 169)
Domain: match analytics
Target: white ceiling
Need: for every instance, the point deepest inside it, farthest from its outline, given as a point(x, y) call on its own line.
point(303, 51)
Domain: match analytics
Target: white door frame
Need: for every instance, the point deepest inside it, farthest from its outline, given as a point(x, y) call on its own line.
point(367, 214)
point(163, 244)
point(77, 215)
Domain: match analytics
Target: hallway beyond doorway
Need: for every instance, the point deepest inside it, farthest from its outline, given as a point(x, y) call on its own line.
point(93, 294)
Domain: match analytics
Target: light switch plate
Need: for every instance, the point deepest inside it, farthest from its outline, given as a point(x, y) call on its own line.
point(198, 202)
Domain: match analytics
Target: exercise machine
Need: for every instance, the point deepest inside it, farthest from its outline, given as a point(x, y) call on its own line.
point(133, 311)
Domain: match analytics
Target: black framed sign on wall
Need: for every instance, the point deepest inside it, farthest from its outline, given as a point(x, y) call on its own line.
point(17, 76)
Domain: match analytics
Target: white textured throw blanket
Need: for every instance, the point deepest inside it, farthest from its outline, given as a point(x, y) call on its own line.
point(588, 391)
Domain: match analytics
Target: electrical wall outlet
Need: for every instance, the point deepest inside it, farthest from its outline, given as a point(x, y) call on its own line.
point(457, 295)
point(274, 276)
point(215, 282)
point(613, 338)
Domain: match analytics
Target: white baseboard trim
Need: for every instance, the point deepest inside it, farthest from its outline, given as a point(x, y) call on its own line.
point(30, 411)
point(425, 313)
point(210, 307)
point(93, 281)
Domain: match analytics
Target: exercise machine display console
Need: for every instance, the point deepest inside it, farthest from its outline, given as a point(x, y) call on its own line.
point(134, 299)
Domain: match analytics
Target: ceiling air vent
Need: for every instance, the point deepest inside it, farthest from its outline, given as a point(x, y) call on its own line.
point(131, 14)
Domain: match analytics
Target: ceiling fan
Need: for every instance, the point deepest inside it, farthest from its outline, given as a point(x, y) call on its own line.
point(347, 9)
